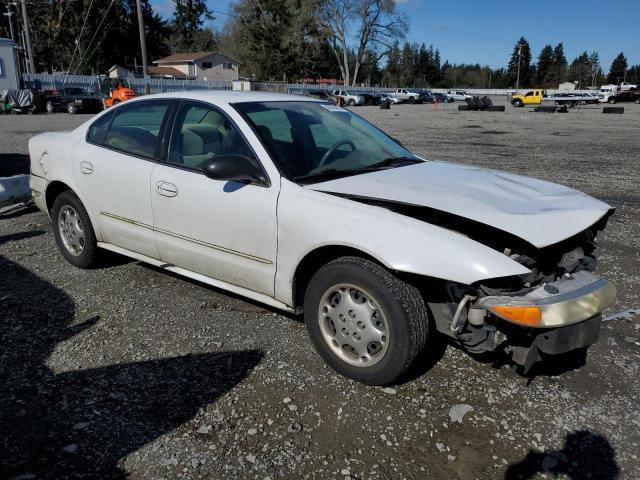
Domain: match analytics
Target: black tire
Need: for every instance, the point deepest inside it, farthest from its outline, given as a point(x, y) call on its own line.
point(89, 255)
point(412, 100)
point(637, 101)
point(612, 100)
point(115, 102)
point(71, 109)
point(517, 103)
point(49, 107)
point(352, 102)
point(405, 314)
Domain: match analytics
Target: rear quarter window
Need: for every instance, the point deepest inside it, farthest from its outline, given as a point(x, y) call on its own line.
point(98, 129)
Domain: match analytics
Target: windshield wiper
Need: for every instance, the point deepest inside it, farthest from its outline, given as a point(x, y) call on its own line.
point(339, 172)
point(393, 161)
point(328, 173)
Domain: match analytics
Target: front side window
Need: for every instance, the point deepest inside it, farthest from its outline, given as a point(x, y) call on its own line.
point(200, 133)
point(307, 139)
point(227, 66)
point(135, 128)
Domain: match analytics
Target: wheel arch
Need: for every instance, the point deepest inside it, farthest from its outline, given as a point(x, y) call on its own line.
point(315, 259)
point(55, 188)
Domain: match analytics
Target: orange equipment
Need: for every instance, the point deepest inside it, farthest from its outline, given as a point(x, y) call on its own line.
point(119, 94)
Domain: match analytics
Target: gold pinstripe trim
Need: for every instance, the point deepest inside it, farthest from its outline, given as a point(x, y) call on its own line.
point(188, 239)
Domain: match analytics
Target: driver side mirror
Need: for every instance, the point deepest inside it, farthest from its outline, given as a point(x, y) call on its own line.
point(235, 168)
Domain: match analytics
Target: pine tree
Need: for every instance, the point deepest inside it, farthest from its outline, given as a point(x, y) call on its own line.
point(559, 71)
point(522, 55)
point(187, 23)
point(545, 65)
point(618, 69)
point(580, 70)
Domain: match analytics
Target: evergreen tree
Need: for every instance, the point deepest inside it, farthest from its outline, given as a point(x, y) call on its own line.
point(558, 74)
point(407, 65)
point(545, 66)
point(391, 74)
point(187, 24)
point(522, 55)
point(580, 70)
point(618, 69)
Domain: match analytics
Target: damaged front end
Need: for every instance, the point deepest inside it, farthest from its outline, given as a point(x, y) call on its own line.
point(554, 308)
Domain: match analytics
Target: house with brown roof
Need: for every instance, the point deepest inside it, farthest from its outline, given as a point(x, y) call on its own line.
point(199, 65)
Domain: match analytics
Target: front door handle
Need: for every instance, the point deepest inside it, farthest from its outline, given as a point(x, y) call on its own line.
point(86, 167)
point(166, 189)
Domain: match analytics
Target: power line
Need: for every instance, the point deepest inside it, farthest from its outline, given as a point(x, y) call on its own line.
point(94, 36)
point(86, 17)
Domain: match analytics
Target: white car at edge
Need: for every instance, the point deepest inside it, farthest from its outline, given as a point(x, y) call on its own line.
point(304, 206)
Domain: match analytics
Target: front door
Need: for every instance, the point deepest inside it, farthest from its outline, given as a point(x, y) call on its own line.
point(112, 169)
point(224, 230)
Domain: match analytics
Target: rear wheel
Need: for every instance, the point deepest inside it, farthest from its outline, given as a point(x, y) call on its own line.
point(612, 100)
point(73, 231)
point(366, 323)
point(115, 102)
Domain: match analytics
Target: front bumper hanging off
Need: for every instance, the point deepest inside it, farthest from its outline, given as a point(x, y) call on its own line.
point(558, 317)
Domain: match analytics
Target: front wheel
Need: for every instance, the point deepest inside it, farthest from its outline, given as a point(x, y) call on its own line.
point(366, 323)
point(352, 102)
point(49, 107)
point(517, 103)
point(612, 100)
point(73, 231)
point(71, 108)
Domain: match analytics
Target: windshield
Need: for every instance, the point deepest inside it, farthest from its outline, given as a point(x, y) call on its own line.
point(310, 138)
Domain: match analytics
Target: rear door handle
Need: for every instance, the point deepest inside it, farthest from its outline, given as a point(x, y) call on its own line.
point(86, 167)
point(166, 189)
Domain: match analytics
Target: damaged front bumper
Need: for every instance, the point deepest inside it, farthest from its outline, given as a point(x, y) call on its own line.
point(567, 301)
point(558, 317)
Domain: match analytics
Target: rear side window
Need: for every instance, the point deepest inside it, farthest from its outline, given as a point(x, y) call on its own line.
point(98, 129)
point(135, 128)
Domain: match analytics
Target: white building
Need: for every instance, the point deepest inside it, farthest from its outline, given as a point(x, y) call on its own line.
point(568, 86)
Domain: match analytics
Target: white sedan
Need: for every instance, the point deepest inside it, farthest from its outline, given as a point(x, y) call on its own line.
point(304, 206)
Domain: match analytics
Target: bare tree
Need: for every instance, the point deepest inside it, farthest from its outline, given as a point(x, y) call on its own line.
point(372, 25)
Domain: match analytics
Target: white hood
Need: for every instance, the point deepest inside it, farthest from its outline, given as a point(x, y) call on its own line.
point(540, 212)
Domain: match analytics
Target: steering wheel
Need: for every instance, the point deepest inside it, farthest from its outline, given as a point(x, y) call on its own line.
point(333, 148)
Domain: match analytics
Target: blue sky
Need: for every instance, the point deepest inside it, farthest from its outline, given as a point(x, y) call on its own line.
point(476, 31)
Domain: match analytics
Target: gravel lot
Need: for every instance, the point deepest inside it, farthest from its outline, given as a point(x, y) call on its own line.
point(128, 372)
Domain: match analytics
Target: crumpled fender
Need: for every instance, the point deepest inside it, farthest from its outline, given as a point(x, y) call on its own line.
point(308, 220)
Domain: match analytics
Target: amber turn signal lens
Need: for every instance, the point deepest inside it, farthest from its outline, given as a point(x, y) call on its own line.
point(529, 316)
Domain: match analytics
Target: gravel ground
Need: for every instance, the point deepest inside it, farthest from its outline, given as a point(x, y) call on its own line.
point(128, 372)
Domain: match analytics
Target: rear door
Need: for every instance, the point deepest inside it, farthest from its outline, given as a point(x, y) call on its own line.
point(113, 169)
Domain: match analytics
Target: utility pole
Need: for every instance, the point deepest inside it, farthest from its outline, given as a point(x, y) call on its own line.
point(143, 48)
point(25, 20)
point(9, 16)
point(519, 57)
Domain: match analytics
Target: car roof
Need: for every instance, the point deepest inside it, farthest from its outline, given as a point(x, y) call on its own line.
point(229, 96)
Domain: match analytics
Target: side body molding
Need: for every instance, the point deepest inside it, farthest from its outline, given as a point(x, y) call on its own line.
point(308, 220)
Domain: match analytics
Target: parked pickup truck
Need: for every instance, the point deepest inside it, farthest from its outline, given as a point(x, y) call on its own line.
point(625, 96)
point(348, 98)
point(406, 95)
point(72, 100)
point(538, 97)
point(459, 95)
